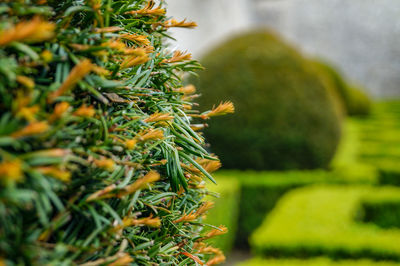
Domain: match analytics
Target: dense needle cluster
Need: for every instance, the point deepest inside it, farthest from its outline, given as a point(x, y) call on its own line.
point(101, 161)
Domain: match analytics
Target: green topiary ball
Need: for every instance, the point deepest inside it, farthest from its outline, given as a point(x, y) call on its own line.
point(286, 117)
point(354, 101)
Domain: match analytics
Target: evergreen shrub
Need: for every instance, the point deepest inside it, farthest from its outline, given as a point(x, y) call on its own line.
point(286, 116)
point(99, 163)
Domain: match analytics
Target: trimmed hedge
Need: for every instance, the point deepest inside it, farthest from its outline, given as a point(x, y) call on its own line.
point(225, 212)
point(389, 172)
point(382, 208)
point(347, 151)
point(353, 99)
point(314, 262)
point(319, 220)
point(359, 102)
point(378, 138)
point(286, 116)
point(260, 191)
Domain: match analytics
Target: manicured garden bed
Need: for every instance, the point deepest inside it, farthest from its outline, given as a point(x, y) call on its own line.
point(321, 221)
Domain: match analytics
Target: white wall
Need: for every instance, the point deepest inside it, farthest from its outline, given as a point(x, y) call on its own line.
point(217, 19)
point(362, 37)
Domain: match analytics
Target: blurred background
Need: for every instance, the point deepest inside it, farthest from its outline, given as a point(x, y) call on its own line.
point(359, 36)
point(311, 156)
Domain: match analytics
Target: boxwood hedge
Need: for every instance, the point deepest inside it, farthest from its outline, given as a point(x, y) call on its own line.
point(322, 221)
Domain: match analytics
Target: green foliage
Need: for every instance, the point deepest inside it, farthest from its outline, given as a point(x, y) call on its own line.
point(314, 262)
point(378, 140)
point(225, 212)
point(382, 209)
point(320, 220)
point(285, 116)
point(98, 161)
point(389, 172)
point(260, 193)
point(353, 99)
point(359, 102)
point(348, 149)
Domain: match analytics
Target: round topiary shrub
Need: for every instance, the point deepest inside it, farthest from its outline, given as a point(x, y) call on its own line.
point(285, 116)
point(354, 101)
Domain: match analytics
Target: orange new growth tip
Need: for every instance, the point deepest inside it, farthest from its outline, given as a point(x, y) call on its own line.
point(115, 44)
point(189, 89)
point(209, 250)
point(100, 71)
point(122, 261)
point(148, 11)
point(209, 165)
point(130, 143)
point(216, 260)
point(150, 177)
point(204, 208)
point(222, 109)
point(85, 111)
point(156, 117)
point(32, 128)
point(105, 163)
point(139, 39)
point(134, 60)
point(95, 4)
point(53, 152)
point(46, 55)
point(35, 30)
point(26, 82)
point(99, 194)
point(80, 47)
point(107, 192)
point(216, 232)
point(181, 24)
point(147, 221)
point(142, 51)
point(11, 170)
point(28, 112)
point(59, 110)
point(152, 134)
point(178, 56)
point(55, 172)
point(194, 215)
point(187, 218)
point(193, 257)
point(77, 73)
point(108, 29)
